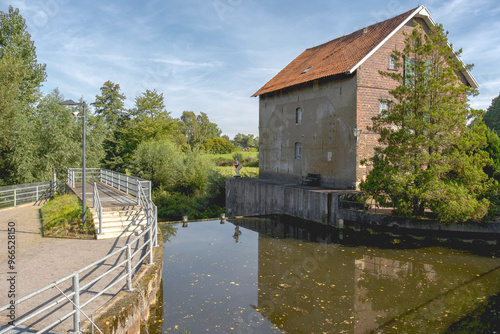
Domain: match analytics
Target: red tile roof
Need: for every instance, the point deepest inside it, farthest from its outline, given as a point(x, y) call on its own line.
point(335, 57)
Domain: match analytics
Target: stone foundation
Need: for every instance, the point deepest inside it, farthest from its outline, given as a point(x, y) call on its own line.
point(125, 312)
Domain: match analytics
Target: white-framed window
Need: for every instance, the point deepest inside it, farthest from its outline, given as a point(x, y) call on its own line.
point(298, 115)
point(298, 150)
point(383, 106)
point(392, 63)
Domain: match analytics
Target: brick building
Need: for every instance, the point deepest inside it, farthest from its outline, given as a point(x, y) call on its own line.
point(309, 111)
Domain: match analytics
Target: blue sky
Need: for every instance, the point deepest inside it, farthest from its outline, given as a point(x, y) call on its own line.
point(212, 55)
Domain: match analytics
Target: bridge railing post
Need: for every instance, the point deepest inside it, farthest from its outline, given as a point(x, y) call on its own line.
point(129, 268)
point(76, 301)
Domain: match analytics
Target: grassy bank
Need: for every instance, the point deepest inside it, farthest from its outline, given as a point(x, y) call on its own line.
point(244, 172)
point(62, 217)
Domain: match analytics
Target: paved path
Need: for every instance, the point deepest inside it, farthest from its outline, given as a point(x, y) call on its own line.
point(40, 261)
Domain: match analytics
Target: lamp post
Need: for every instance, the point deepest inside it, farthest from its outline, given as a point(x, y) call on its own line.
point(356, 132)
point(84, 203)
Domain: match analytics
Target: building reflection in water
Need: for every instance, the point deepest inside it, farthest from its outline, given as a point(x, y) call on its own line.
point(302, 278)
point(310, 283)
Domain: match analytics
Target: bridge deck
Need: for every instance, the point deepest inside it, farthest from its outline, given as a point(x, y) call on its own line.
point(111, 198)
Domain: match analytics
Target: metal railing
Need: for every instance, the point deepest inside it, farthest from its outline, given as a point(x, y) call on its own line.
point(126, 183)
point(75, 175)
point(98, 206)
point(80, 283)
point(126, 264)
point(25, 193)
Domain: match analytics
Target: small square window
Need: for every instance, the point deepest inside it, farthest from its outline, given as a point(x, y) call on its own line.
point(298, 150)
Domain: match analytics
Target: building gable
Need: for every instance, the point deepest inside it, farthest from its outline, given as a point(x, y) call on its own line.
point(344, 55)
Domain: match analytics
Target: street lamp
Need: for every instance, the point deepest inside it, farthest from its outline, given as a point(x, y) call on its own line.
point(356, 132)
point(84, 203)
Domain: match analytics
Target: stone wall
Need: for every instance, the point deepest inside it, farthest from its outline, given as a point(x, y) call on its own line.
point(328, 109)
point(256, 197)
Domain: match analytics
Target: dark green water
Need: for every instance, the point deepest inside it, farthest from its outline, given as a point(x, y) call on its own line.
point(267, 276)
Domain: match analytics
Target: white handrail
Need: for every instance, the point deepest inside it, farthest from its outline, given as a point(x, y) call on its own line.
point(98, 206)
point(150, 234)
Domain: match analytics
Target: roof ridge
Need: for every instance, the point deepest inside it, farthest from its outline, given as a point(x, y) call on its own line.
point(367, 27)
point(344, 54)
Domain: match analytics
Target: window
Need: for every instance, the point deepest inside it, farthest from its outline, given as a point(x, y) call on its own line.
point(306, 70)
point(298, 115)
point(298, 150)
point(392, 63)
point(413, 73)
point(383, 107)
point(408, 74)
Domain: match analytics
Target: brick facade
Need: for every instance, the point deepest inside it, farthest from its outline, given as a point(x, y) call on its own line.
point(371, 88)
point(338, 86)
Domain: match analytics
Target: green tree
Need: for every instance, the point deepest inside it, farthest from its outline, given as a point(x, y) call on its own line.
point(110, 108)
point(218, 145)
point(429, 158)
point(20, 79)
point(150, 119)
point(197, 128)
point(16, 43)
point(110, 105)
point(59, 137)
point(160, 161)
point(492, 116)
point(242, 140)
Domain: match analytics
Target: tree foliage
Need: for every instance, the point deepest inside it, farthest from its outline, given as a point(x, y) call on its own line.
point(16, 45)
point(242, 140)
point(39, 134)
point(20, 79)
point(198, 128)
point(110, 108)
point(492, 116)
point(218, 145)
point(428, 157)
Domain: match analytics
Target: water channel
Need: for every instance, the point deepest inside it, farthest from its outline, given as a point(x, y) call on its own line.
point(261, 275)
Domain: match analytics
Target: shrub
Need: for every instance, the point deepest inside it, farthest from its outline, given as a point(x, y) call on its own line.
point(218, 145)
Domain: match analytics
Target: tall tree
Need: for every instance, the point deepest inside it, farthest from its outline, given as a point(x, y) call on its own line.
point(429, 158)
point(110, 108)
point(492, 116)
point(16, 43)
point(59, 136)
point(20, 79)
point(243, 140)
point(198, 128)
point(110, 105)
point(149, 120)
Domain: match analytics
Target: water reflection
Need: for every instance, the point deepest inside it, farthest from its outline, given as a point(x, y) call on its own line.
point(266, 276)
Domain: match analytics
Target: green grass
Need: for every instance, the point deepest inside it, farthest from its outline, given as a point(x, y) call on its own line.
point(244, 172)
point(62, 216)
point(230, 155)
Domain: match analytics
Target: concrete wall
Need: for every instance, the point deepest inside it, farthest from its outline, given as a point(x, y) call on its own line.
point(254, 197)
point(125, 312)
point(325, 132)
